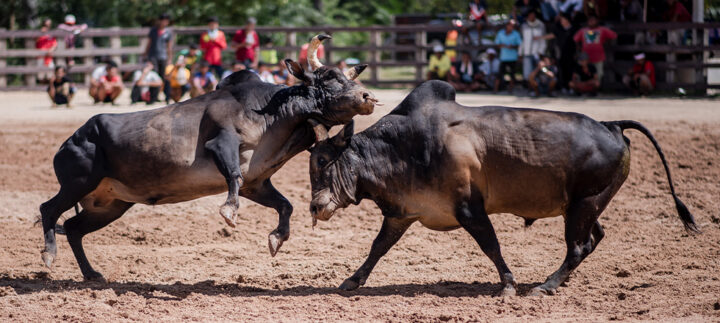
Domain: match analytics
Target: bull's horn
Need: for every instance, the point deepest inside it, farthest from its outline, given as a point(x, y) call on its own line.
point(321, 132)
point(312, 50)
point(353, 73)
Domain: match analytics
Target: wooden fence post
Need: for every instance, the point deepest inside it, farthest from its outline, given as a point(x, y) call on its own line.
point(420, 55)
point(30, 78)
point(375, 56)
point(87, 60)
point(116, 43)
point(291, 41)
point(3, 63)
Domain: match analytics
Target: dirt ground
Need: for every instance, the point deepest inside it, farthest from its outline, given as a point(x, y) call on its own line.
point(181, 262)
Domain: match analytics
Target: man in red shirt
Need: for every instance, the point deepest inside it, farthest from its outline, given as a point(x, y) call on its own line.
point(110, 86)
point(212, 43)
point(592, 40)
point(246, 43)
point(47, 43)
point(641, 77)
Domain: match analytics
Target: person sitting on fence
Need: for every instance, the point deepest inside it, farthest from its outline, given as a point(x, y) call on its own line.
point(641, 77)
point(236, 67)
point(178, 78)
point(48, 44)
point(463, 76)
point(213, 42)
point(543, 78)
point(192, 55)
point(508, 39)
point(110, 85)
point(72, 31)
point(246, 43)
point(585, 79)
point(146, 85)
point(439, 64)
point(60, 89)
point(490, 70)
point(203, 81)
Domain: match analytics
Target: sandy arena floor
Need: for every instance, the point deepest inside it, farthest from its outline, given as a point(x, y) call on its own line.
point(181, 262)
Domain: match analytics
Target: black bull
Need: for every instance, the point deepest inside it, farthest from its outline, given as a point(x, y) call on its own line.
point(232, 139)
point(449, 166)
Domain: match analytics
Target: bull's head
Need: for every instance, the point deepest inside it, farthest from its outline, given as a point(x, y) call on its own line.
point(340, 96)
point(333, 184)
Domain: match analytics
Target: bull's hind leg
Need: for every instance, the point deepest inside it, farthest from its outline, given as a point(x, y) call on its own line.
point(475, 220)
point(267, 195)
point(88, 221)
point(391, 231)
point(582, 234)
point(225, 148)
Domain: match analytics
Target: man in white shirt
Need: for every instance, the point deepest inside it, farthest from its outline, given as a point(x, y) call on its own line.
point(146, 85)
point(533, 43)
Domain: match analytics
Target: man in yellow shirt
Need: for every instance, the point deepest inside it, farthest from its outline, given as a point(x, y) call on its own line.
point(439, 64)
point(179, 78)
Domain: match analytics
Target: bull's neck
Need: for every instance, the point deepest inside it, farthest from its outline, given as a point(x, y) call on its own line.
point(295, 104)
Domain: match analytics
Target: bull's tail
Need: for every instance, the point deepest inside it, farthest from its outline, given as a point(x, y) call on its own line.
point(683, 212)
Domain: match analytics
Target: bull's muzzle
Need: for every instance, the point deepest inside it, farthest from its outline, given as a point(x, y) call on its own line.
point(321, 211)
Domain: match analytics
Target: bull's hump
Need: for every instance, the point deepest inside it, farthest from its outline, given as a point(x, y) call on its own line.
point(426, 94)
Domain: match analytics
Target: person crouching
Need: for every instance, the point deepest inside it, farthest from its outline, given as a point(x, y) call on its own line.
point(641, 77)
point(60, 89)
point(146, 85)
point(178, 77)
point(203, 81)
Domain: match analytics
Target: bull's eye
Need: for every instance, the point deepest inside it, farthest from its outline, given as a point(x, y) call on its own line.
point(322, 162)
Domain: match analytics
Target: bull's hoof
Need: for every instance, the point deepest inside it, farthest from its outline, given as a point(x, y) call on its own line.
point(349, 285)
point(228, 214)
point(509, 290)
point(47, 258)
point(95, 277)
point(541, 291)
point(275, 241)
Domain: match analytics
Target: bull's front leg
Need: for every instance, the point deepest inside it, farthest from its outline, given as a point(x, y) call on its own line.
point(225, 149)
point(267, 195)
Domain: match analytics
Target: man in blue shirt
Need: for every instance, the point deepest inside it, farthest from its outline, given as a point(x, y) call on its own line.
point(508, 40)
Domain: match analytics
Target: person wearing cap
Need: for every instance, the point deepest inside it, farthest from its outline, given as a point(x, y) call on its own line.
point(585, 79)
point(508, 40)
point(246, 43)
point(212, 43)
point(490, 70)
point(159, 48)
point(72, 30)
point(641, 77)
point(592, 40)
point(439, 64)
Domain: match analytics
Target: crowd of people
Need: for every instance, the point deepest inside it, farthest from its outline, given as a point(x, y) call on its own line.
point(555, 45)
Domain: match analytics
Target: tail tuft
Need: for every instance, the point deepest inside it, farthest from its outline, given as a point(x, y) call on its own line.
point(686, 217)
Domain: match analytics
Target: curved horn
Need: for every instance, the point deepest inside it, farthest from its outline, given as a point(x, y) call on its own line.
point(312, 50)
point(353, 73)
point(321, 132)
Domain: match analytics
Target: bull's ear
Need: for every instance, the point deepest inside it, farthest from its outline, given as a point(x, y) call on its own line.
point(342, 139)
point(296, 70)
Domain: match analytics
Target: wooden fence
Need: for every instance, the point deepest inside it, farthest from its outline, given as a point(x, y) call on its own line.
point(683, 64)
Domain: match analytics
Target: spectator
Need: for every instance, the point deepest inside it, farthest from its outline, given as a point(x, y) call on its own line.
point(490, 70)
point(302, 58)
point(585, 79)
point(236, 67)
point(439, 64)
point(203, 81)
point(641, 77)
point(110, 86)
point(533, 43)
point(676, 12)
point(544, 78)
point(523, 7)
point(478, 10)
point(508, 40)
point(192, 55)
point(159, 48)
point(451, 40)
point(549, 10)
point(213, 42)
point(631, 11)
point(48, 44)
point(96, 79)
point(178, 79)
point(146, 85)
point(265, 74)
point(60, 88)
point(463, 76)
point(246, 43)
point(72, 30)
point(283, 77)
point(571, 8)
point(592, 40)
point(563, 33)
